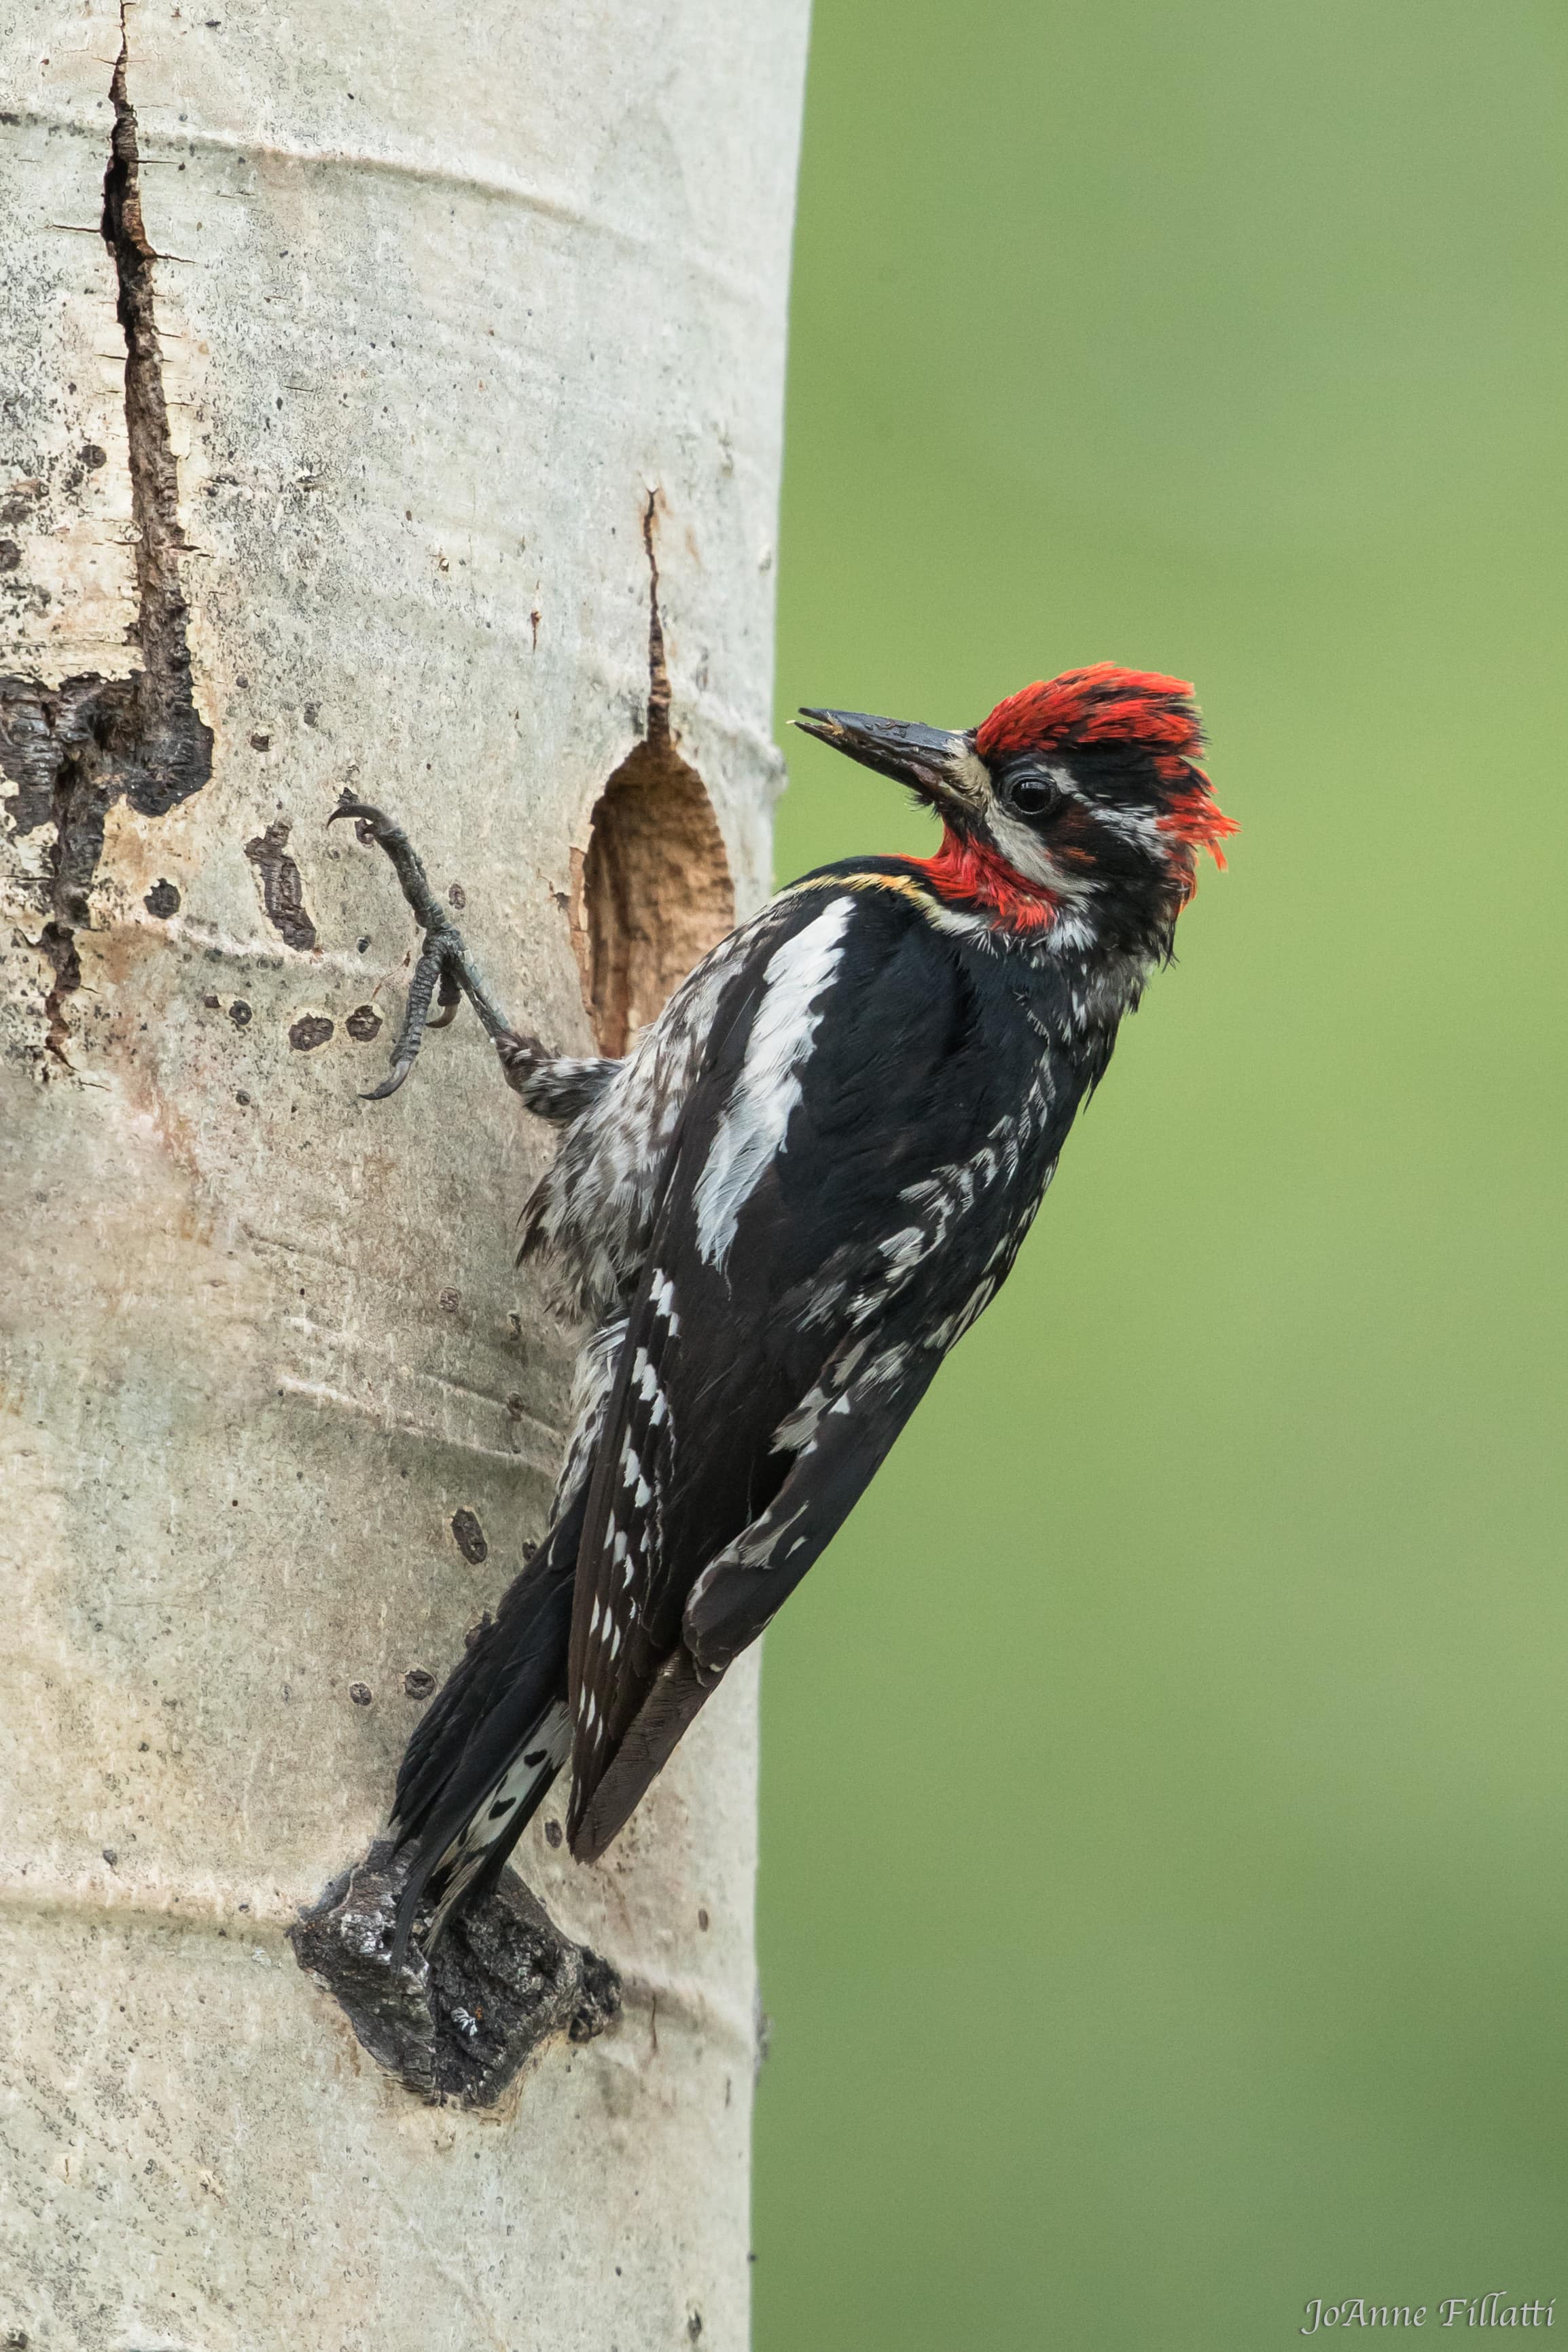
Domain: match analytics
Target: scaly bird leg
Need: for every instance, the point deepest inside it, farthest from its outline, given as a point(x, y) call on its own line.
point(554, 1086)
point(445, 969)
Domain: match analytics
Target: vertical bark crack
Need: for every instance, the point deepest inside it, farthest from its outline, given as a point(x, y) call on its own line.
point(175, 747)
point(657, 727)
point(72, 750)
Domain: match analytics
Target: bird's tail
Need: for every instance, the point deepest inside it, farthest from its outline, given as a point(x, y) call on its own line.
point(480, 1763)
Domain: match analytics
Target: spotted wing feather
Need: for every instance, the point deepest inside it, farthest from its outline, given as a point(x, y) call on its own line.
point(851, 1177)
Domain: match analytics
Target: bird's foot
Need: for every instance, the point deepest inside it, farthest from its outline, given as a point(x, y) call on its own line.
point(446, 971)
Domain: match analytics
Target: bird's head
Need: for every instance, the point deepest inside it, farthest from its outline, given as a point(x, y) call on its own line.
point(1079, 805)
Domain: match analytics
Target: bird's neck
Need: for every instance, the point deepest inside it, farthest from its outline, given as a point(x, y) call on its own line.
point(1083, 927)
point(966, 873)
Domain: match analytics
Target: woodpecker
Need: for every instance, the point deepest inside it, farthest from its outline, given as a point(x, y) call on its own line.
point(777, 1213)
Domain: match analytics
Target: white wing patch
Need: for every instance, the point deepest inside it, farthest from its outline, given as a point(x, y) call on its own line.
point(768, 1089)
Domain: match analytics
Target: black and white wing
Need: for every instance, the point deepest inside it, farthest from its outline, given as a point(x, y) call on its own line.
point(858, 1158)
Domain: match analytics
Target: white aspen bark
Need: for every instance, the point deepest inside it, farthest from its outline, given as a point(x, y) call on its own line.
point(474, 311)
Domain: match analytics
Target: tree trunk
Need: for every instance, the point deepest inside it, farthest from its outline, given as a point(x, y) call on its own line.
point(393, 400)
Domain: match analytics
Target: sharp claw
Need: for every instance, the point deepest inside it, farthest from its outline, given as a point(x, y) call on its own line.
point(388, 1086)
point(366, 812)
point(449, 996)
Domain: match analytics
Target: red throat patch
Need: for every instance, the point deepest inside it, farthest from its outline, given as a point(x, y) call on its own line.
point(967, 869)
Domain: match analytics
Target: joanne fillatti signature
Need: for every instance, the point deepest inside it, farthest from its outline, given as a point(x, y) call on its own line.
point(1456, 2311)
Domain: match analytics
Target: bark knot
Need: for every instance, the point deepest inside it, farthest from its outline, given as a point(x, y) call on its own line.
point(502, 1982)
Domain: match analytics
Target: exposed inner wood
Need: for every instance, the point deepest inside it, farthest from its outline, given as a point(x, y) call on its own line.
point(654, 893)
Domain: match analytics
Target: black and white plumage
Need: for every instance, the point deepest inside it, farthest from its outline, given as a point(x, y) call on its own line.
point(801, 1187)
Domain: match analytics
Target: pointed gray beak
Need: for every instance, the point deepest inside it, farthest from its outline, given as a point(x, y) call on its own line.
point(941, 767)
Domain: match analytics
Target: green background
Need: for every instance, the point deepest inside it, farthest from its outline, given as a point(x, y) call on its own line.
point(1163, 1908)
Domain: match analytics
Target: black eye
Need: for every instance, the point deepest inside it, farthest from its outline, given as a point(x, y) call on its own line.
point(1034, 795)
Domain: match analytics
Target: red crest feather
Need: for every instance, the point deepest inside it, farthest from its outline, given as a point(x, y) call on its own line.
point(1101, 704)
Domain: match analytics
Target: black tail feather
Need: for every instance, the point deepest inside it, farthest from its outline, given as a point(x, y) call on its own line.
point(492, 1704)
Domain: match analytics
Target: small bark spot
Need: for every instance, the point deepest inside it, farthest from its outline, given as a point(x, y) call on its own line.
point(363, 1024)
point(553, 1833)
point(311, 1029)
point(163, 900)
point(469, 1536)
point(418, 1682)
point(240, 1012)
point(361, 1693)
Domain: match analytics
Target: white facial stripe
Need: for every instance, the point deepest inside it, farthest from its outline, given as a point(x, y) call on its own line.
point(752, 1130)
point(1026, 854)
point(1023, 849)
point(1133, 824)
